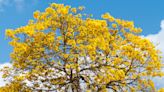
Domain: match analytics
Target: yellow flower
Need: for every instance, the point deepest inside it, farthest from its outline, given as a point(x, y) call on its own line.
point(63, 11)
point(74, 10)
point(49, 10)
point(161, 90)
point(65, 55)
point(81, 8)
point(10, 33)
point(36, 14)
point(108, 17)
point(114, 25)
point(54, 5)
point(105, 16)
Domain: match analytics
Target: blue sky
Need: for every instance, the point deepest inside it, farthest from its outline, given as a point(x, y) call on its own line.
point(147, 14)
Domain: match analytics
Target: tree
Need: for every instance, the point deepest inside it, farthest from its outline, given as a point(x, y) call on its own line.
point(63, 49)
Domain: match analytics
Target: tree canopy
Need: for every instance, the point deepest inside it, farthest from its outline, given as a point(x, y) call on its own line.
point(65, 50)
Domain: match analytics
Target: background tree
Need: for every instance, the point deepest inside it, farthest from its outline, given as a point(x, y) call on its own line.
point(66, 50)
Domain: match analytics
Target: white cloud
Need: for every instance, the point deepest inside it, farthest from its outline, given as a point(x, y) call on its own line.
point(158, 39)
point(2, 82)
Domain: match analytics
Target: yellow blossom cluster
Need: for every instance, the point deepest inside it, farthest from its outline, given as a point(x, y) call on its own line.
point(105, 53)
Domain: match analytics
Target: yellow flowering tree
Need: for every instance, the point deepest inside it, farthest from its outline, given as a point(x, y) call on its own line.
point(64, 50)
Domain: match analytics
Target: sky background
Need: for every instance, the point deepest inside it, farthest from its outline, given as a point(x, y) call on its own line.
point(147, 14)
